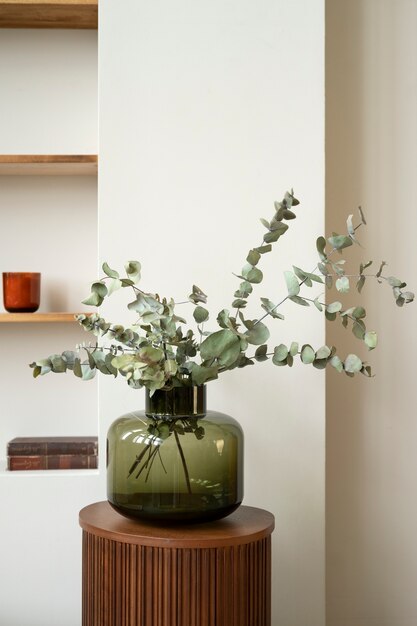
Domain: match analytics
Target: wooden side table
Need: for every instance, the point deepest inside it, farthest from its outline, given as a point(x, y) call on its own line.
point(142, 574)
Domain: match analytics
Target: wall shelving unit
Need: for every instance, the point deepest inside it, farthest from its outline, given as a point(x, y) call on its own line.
point(45, 14)
point(48, 165)
point(49, 14)
point(37, 318)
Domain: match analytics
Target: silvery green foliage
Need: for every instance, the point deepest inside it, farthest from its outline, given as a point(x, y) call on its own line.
point(158, 352)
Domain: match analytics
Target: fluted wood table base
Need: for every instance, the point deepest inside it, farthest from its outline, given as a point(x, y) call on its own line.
point(139, 574)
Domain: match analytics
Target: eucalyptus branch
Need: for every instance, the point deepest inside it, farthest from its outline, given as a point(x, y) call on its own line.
point(162, 354)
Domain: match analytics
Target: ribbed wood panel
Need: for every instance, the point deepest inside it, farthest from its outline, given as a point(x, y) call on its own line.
point(134, 585)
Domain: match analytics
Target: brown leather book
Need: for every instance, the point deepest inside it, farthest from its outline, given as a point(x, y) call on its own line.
point(52, 461)
point(52, 445)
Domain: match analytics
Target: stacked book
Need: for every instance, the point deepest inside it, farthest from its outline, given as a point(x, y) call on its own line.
point(47, 453)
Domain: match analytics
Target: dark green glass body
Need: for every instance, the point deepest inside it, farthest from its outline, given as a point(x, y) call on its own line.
point(175, 461)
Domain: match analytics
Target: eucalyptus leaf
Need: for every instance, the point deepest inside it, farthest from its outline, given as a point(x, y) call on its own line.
point(264, 249)
point(252, 274)
point(381, 267)
point(93, 300)
point(260, 353)
point(307, 354)
point(253, 257)
point(201, 375)
point(362, 215)
point(239, 303)
point(395, 282)
point(358, 312)
point(299, 300)
point(200, 314)
point(337, 363)
point(280, 353)
point(339, 242)
point(330, 316)
point(271, 308)
point(321, 245)
point(294, 348)
point(293, 285)
point(360, 283)
point(352, 364)
point(342, 284)
point(334, 307)
point(358, 329)
point(109, 272)
point(244, 291)
point(323, 353)
point(223, 345)
point(132, 269)
point(289, 215)
point(258, 334)
point(223, 319)
point(371, 339)
point(350, 227)
point(113, 286)
point(318, 304)
point(197, 295)
point(170, 367)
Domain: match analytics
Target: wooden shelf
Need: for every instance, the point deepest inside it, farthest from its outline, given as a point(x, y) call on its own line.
point(48, 164)
point(49, 14)
point(16, 318)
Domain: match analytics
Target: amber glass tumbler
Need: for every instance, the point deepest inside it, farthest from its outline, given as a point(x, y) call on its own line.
point(21, 291)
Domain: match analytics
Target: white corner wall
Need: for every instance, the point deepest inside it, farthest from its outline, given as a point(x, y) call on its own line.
point(48, 105)
point(210, 111)
point(371, 156)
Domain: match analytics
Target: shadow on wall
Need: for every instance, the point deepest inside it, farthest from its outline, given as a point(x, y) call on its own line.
point(371, 155)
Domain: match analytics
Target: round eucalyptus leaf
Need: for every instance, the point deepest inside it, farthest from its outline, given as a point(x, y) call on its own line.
point(323, 352)
point(200, 314)
point(358, 312)
point(294, 348)
point(280, 353)
point(258, 334)
point(253, 257)
point(307, 354)
point(252, 274)
point(342, 284)
point(260, 353)
point(336, 363)
point(371, 339)
point(334, 307)
point(223, 345)
point(352, 364)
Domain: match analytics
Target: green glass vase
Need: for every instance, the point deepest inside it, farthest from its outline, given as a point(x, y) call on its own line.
point(175, 461)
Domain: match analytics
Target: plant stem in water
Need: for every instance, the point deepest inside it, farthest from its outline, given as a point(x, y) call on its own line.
point(184, 463)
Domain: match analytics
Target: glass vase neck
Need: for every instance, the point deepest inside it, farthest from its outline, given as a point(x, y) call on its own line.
point(177, 402)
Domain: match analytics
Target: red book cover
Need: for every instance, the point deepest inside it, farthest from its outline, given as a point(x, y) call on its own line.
point(52, 445)
point(52, 462)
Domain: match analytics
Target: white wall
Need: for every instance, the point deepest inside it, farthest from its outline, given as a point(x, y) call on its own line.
point(209, 111)
point(371, 148)
point(48, 104)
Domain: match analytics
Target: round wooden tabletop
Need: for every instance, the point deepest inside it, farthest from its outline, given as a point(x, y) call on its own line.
point(245, 525)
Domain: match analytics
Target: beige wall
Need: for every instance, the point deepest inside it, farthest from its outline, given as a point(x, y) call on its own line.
point(371, 159)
